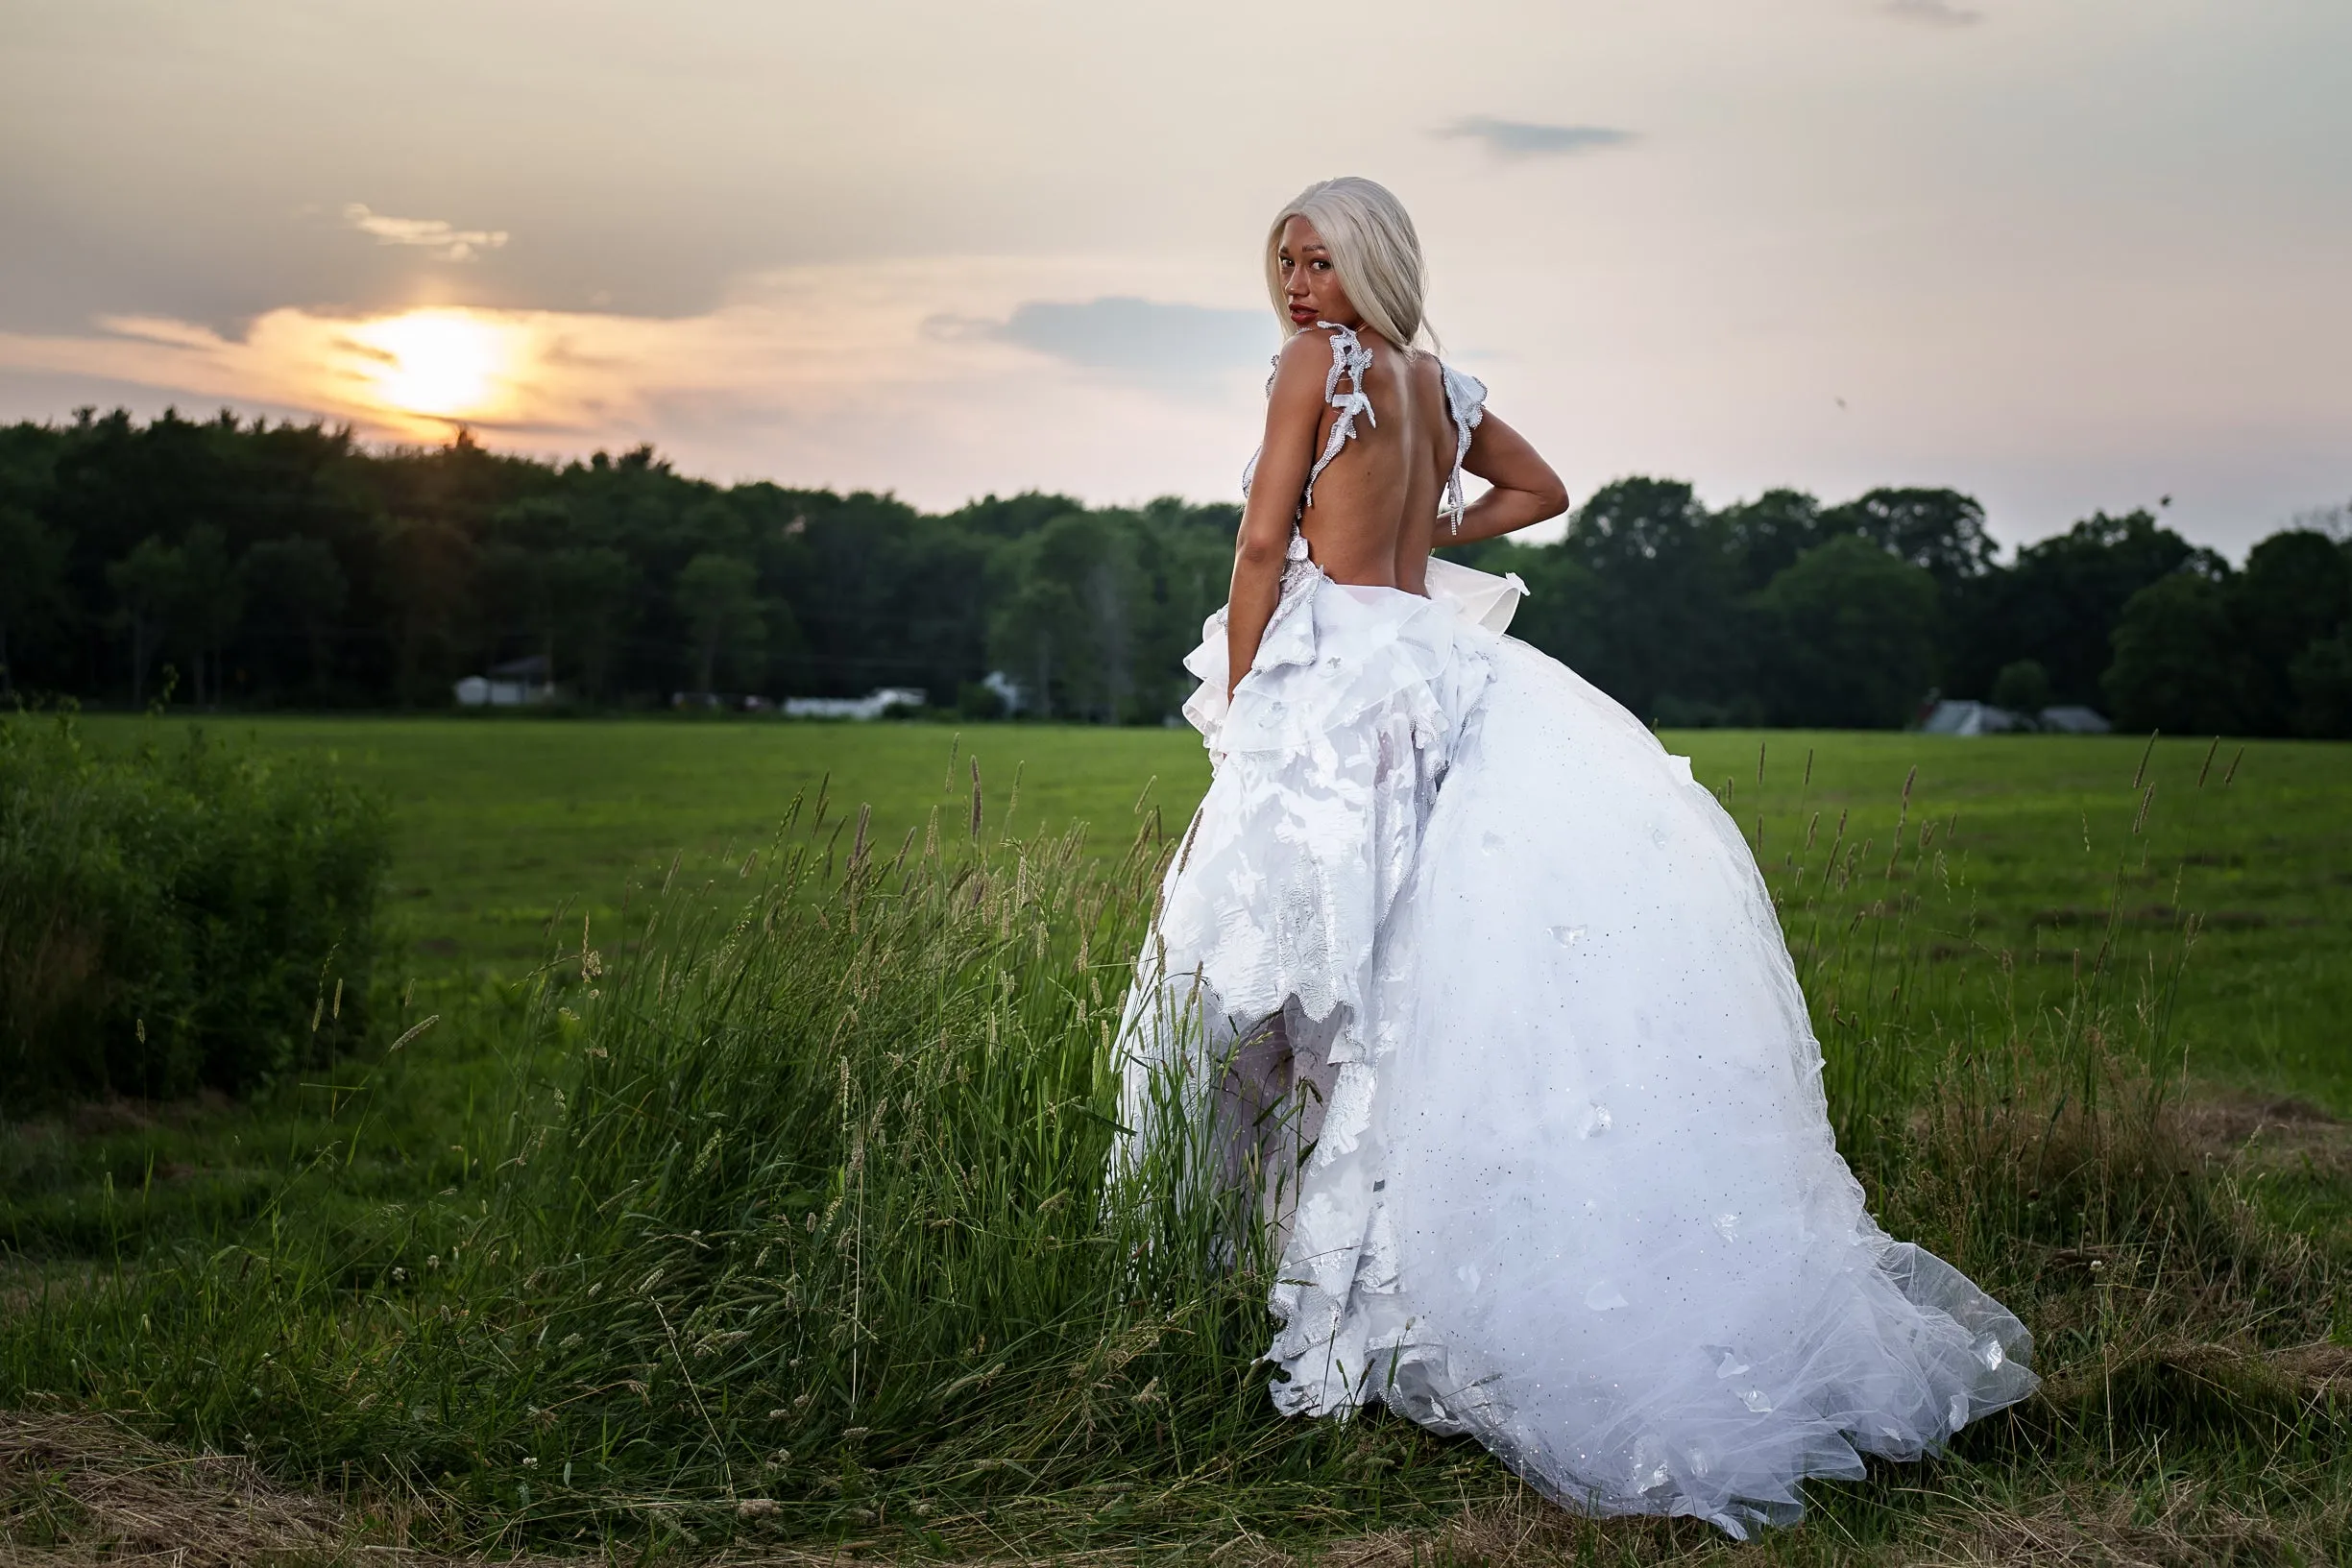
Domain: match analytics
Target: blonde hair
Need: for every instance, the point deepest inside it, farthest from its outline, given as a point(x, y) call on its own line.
point(1373, 249)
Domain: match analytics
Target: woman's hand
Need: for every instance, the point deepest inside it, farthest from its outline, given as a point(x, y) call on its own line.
point(1526, 491)
point(1294, 412)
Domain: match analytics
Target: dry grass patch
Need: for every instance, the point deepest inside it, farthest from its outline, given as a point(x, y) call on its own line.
point(80, 1488)
point(1524, 1528)
point(2177, 1524)
point(2255, 1134)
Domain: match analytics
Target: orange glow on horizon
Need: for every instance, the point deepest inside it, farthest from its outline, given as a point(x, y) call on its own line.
point(442, 364)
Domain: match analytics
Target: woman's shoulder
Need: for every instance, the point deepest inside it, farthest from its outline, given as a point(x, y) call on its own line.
point(1304, 366)
point(1310, 349)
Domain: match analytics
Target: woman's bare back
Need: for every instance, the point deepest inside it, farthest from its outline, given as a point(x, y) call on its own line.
point(1415, 427)
point(1365, 445)
point(1371, 514)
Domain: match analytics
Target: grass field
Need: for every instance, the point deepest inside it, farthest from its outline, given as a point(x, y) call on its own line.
point(502, 823)
point(2175, 1264)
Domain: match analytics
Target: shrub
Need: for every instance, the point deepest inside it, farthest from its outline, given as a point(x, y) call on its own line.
point(178, 916)
point(2022, 686)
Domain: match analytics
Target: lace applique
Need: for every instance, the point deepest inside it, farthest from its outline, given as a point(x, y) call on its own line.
point(1465, 399)
point(1466, 403)
point(1350, 360)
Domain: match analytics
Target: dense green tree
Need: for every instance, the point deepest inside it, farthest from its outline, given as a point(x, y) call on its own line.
point(719, 597)
point(1661, 630)
point(1071, 624)
point(881, 594)
point(2321, 675)
point(425, 573)
point(1012, 516)
point(1852, 637)
point(1032, 639)
point(1767, 535)
point(518, 612)
point(2295, 591)
point(32, 582)
point(2177, 664)
point(2058, 602)
point(1939, 530)
point(1095, 611)
point(295, 588)
point(150, 586)
point(1184, 556)
point(588, 596)
point(211, 603)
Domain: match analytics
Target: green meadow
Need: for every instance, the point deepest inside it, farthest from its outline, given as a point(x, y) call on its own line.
point(735, 1181)
point(503, 823)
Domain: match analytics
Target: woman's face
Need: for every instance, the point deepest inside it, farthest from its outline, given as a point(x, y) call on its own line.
point(1310, 284)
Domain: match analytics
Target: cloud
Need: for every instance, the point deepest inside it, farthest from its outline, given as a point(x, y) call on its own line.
point(1524, 138)
point(941, 377)
point(1932, 12)
point(435, 234)
point(1141, 340)
point(803, 340)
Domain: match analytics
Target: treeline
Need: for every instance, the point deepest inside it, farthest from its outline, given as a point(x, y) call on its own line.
point(289, 564)
point(1783, 611)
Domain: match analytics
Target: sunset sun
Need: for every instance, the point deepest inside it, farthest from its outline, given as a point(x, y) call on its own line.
point(445, 364)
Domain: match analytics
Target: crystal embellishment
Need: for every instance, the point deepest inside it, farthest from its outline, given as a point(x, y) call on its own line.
point(1649, 1466)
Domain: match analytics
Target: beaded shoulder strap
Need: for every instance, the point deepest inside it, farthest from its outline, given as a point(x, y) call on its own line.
point(1350, 359)
point(1465, 399)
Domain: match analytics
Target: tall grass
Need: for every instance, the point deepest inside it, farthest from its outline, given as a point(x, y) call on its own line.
point(2042, 1148)
point(802, 1225)
point(176, 916)
point(794, 1222)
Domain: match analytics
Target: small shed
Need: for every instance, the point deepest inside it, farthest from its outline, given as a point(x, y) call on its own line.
point(873, 704)
point(1952, 716)
point(516, 684)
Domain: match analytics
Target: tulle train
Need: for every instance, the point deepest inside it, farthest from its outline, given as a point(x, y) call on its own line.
point(1568, 1182)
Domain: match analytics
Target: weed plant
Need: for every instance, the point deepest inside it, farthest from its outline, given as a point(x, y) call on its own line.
point(794, 1223)
point(176, 916)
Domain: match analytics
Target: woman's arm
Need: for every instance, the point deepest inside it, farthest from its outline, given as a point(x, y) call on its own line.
point(1526, 491)
point(1293, 413)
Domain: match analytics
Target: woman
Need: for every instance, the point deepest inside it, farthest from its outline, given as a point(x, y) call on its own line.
point(1462, 966)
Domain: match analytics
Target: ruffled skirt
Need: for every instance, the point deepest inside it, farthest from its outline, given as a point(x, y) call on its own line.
point(1492, 998)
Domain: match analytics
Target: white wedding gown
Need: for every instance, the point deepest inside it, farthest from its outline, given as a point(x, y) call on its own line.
point(1462, 965)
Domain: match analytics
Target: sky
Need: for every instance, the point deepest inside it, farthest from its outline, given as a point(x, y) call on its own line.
point(2064, 255)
